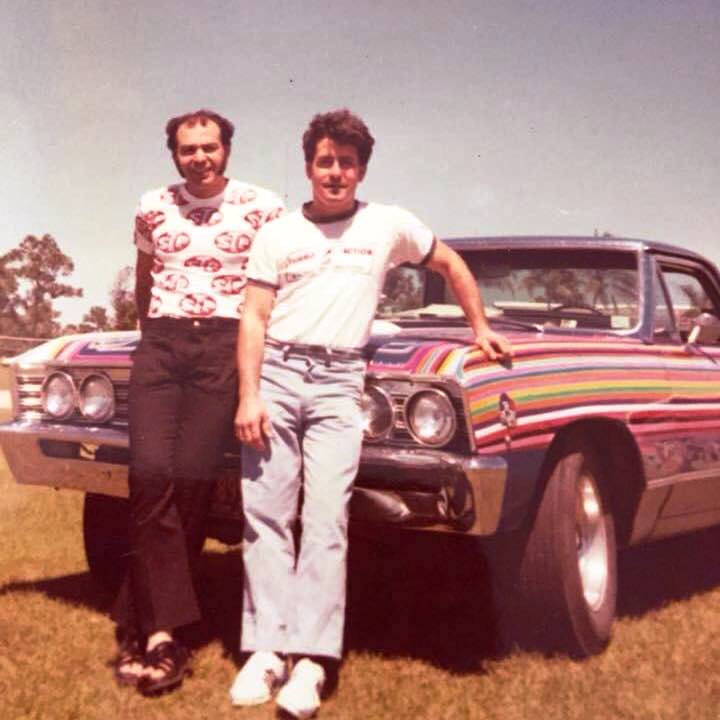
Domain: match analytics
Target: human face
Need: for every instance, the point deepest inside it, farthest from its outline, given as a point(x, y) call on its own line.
point(334, 172)
point(201, 158)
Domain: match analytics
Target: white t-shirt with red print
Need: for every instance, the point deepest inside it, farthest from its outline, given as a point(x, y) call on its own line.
point(200, 246)
point(328, 276)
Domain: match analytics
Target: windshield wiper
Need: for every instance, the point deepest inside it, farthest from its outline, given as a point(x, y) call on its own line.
point(441, 311)
point(517, 324)
point(422, 315)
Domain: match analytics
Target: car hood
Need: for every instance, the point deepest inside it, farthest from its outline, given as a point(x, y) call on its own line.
point(548, 379)
point(449, 352)
point(100, 348)
point(445, 351)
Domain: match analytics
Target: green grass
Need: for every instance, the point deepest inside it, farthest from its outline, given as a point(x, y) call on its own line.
point(419, 641)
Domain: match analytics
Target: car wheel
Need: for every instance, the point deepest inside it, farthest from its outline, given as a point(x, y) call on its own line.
point(105, 534)
point(556, 589)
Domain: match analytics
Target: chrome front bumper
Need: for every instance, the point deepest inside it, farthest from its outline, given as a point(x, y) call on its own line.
point(65, 456)
point(432, 490)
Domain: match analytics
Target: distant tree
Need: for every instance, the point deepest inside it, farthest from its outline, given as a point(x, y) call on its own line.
point(611, 288)
point(554, 286)
point(96, 318)
point(402, 290)
point(35, 266)
point(122, 300)
point(9, 324)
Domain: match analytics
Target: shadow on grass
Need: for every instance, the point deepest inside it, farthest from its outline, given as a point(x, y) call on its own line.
point(419, 595)
point(416, 595)
point(77, 589)
point(219, 588)
point(671, 570)
point(428, 595)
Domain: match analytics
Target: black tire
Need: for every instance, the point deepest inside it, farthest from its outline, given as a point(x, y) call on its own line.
point(105, 534)
point(556, 583)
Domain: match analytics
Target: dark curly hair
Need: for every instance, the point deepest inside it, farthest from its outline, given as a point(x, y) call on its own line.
point(199, 116)
point(341, 126)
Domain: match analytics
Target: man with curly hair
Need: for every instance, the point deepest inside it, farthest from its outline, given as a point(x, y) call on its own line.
point(192, 239)
point(314, 281)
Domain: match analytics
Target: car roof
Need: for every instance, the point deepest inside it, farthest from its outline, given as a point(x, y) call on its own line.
point(608, 242)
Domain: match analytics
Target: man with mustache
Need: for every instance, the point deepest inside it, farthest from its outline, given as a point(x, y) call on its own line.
point(183, 387)
point(314, 280)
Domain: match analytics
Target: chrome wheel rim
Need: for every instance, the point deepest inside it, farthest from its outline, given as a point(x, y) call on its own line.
point(592, 543)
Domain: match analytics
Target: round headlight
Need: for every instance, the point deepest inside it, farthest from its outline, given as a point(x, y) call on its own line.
point(430, 417)
point(97, 399)
point(377, 412)
point(58, 396)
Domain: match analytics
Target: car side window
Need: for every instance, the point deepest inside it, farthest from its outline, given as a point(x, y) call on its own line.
point(404, 289)
point(663, 322)
point(692, 292)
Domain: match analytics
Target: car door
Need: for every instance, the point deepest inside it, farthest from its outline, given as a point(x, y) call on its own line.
point(689, 455)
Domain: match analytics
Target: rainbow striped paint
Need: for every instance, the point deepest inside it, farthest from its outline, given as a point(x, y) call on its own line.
point(655, 390)
point(659, 392)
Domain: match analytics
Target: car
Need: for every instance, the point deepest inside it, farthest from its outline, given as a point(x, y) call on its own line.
point(601, 431)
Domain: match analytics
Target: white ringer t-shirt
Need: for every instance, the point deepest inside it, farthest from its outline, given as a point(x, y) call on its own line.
point(200, 246)
point(329, 276)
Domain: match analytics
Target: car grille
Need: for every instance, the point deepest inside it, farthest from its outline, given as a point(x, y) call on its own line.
point(29, 387)
point(400, 436)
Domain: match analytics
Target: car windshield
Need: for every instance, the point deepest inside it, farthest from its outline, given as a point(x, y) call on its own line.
point(550, 287)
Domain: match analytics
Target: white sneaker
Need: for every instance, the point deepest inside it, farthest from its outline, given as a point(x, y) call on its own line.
point(300, 696)
point(263, 673)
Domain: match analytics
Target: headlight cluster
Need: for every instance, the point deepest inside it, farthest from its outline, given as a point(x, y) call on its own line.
point(377, 412)
point(58, 396)
point(95, 399)
point(430, 417)
point(428, 414)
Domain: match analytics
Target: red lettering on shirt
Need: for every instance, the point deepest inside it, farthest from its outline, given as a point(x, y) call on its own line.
point(142, 228)
point(229, 284)
point(170, 243)
point(204, 262)
point(198, 305)
point(295, 257)
point(173, 282)
point(154, 218)
point(205, 216)
point(240, 196)
point(233, 242)
point(172, 196)
point(254, 218)
point(274, 214)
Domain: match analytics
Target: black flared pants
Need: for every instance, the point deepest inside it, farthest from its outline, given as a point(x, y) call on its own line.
point(182, 400)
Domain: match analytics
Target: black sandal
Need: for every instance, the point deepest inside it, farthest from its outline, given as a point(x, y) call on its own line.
point(130, 652)
point(171, 659)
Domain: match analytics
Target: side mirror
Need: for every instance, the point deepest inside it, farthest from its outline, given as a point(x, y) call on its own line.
point(705, 330)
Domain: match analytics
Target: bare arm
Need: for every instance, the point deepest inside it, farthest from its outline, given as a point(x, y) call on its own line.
point(452, 267)
point(143, 284)
point(252, 423)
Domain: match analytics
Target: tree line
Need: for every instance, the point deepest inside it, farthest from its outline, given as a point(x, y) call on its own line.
point(30, 280)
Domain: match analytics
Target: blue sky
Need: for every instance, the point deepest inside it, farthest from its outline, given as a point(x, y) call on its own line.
point(490, 117)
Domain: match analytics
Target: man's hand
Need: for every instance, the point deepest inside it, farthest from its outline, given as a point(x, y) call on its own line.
point(493, 344)
point(465, 288)
point(252, 424)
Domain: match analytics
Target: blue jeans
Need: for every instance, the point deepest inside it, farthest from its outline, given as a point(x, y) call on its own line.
point(294, 598)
